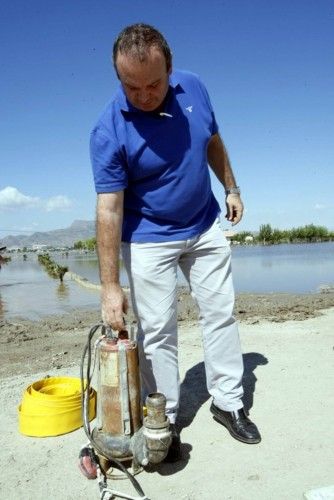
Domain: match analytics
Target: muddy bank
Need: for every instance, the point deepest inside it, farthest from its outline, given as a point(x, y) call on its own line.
point(56, 342)
point(249, 308)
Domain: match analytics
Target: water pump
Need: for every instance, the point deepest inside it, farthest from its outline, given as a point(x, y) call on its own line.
point(123, 434)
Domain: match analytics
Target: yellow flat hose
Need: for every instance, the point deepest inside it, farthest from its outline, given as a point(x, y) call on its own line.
point(52, 406)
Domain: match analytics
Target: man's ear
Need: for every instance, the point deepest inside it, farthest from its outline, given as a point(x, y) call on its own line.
point(115, 68)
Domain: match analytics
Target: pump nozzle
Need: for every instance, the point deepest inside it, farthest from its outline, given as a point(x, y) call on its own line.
point(156, 428)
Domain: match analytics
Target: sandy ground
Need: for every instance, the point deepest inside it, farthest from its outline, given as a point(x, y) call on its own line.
point(289, 378)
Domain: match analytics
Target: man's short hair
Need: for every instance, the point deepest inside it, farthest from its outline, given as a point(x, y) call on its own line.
point(137, 39)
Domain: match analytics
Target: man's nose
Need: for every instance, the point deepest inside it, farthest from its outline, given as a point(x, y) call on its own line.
point(143, 97)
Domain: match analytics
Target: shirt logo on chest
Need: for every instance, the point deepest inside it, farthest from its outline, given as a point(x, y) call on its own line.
point(190, 109)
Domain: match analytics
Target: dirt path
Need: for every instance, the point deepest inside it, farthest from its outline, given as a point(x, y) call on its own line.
point(288, 388)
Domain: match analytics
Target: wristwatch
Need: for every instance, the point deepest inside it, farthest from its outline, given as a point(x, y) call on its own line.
point(235, 190)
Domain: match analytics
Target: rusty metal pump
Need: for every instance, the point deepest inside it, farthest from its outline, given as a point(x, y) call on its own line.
point(123, 434)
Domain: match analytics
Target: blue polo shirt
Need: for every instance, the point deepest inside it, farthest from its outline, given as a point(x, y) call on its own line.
point(160, 161)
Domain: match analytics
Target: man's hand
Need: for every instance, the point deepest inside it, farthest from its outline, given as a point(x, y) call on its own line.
point(234, 208)
point(114, 305)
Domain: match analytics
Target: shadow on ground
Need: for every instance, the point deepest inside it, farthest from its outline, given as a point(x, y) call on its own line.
point(193, 394)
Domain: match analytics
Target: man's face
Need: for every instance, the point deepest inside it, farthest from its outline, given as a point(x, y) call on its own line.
point(145, 83)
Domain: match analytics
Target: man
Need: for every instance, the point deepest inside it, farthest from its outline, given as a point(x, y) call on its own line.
point(150, 152)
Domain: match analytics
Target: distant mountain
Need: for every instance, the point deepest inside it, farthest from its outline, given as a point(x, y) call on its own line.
point(78, 230)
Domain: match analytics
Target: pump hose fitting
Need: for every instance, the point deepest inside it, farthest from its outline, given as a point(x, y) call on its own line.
point(156, 428)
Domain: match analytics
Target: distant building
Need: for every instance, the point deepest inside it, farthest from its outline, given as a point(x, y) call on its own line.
point(39, 248)
point(229, 233)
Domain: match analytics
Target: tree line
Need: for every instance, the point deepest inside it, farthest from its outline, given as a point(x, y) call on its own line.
point(266, 236)
point(269, 236)
point(89, 244)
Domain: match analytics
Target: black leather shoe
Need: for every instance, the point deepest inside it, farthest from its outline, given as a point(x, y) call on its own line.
point(174, 452)
point(238, 424)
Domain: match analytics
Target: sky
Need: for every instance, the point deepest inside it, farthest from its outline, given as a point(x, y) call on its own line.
point(268, 67)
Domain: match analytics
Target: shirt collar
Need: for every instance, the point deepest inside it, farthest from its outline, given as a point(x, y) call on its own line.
point(125, 105)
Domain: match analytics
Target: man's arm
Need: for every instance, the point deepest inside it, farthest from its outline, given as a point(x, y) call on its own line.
point(109, 219)
point(220, 164)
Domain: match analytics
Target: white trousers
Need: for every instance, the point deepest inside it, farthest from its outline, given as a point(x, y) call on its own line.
point(205, 261)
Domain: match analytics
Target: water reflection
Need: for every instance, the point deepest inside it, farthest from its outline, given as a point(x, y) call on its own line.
point(278, 268)
point(283, 268)
point(26, 290)
point(62, 291)
point(2, 309)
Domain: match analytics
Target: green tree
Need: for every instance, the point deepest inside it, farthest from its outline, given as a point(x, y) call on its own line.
point(90, 244)
point(276, 236)
point(265, 233)
point(78, 245)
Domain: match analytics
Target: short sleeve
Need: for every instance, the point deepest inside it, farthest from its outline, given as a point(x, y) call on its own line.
point(109, 167)
point(214, 124)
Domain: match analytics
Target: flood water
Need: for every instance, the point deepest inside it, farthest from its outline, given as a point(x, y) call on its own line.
point(26, 290)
